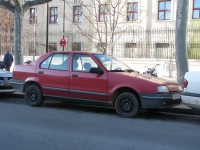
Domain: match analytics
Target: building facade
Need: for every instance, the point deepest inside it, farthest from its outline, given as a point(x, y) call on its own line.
point(123, 28)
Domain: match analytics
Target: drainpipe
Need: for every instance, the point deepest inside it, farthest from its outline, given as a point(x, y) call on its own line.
point(170, 67)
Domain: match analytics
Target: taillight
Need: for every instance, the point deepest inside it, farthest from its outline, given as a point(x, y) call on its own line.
point(185, 83)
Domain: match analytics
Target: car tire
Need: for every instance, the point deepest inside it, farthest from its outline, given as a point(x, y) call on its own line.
point(33, 96)
point(127, 105)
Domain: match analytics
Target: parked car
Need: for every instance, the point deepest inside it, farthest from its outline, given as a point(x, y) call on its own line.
point(5, 86)
point(93, 78)
point(191, 94)
point(2, 65)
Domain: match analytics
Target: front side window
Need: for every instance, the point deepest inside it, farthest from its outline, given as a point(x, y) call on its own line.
point(77, 14)
point(83, 63)
point(56, 62)
point(53, 15)
point(132, 11)
point(33, 16)
point(196, 9)
point(103, 12)
point(164, 10)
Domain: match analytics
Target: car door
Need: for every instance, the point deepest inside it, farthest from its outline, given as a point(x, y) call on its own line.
point(53, 75)
point(85, 85)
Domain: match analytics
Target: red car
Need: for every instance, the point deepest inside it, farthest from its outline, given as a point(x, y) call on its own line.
point(93, 78)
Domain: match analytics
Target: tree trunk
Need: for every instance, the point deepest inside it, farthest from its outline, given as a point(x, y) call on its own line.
point(181, 40)
point(18, 38)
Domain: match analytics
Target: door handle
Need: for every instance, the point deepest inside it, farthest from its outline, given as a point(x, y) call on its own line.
point(74, 75)
point(40, 72)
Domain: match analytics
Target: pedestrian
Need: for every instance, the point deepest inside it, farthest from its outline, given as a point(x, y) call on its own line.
point(8, 60)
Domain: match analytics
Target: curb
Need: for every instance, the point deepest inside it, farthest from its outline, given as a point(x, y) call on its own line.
point(17, 95)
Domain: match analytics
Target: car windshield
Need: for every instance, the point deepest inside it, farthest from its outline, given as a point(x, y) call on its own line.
point(112, 64)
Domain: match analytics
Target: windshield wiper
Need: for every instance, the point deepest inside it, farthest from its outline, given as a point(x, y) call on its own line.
point(116, 71)
point(130, 70)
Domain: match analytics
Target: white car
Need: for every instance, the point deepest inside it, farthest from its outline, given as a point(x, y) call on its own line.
point(5, 86)
point(191, 94)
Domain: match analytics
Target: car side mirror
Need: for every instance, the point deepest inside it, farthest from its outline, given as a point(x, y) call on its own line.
point(96, 70)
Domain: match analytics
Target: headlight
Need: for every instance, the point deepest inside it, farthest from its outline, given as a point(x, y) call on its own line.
point(162, 89)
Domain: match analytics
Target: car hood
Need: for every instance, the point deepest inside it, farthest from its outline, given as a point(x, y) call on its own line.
point(4, 73)
point(149, 78)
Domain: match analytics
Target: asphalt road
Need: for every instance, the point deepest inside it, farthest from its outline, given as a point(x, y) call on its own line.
point(64, 126)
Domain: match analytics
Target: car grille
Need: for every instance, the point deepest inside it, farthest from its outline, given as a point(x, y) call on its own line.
point(7, 78)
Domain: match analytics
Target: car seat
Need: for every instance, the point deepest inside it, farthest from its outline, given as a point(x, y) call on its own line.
point(87, 66)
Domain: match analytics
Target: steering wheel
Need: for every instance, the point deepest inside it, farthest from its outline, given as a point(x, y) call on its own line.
point(118, 68)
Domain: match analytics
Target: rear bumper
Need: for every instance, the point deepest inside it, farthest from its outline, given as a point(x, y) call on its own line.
point(191, 99)
point(17, 85)
point(159, 101)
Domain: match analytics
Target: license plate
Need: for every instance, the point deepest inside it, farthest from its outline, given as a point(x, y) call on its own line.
point(176, 96)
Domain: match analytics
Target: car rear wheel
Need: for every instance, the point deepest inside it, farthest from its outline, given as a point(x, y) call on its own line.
point(127, 105)
point(33, 96)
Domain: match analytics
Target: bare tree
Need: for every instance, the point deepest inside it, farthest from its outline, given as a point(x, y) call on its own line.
point(6, 21)
point(181, 40)
point(18, 8)
point(105, 24)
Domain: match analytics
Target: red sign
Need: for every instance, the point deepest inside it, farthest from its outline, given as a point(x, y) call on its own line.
point(63, 42)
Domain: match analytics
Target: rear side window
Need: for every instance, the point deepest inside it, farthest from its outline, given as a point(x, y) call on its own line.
point(56, 62)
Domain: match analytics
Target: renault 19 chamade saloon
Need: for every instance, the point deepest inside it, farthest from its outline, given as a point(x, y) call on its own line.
point(93, 78)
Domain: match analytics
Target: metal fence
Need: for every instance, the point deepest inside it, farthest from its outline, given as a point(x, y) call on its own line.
point(157, 43)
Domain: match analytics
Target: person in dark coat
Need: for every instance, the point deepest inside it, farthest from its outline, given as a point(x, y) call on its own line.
point(8, 60)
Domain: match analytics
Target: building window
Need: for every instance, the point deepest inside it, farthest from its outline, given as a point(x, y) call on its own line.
point(130, 50)
point(102, 45)
point(33, 16)
point(162, 50)
point(53, 15)
point(77, 14)
point(132, 11)
point(164, 10)
point(76, 46)
point(52, 47)
point(162, 45)
point(76, 1)
point(103, 12)
point(196, 9)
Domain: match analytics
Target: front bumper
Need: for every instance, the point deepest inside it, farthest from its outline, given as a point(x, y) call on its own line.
point(159, 101)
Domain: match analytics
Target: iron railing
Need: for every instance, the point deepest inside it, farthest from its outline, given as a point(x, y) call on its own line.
point(156, 43)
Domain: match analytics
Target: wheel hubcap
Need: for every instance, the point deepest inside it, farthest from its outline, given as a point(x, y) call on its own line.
point(126, 104)
point(33, 95)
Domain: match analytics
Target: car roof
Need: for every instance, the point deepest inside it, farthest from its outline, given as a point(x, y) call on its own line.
point(58, 52)
point(83, 52)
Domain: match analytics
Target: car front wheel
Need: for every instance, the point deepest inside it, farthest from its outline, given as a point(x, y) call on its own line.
point(33, 96)
point(127, 105)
